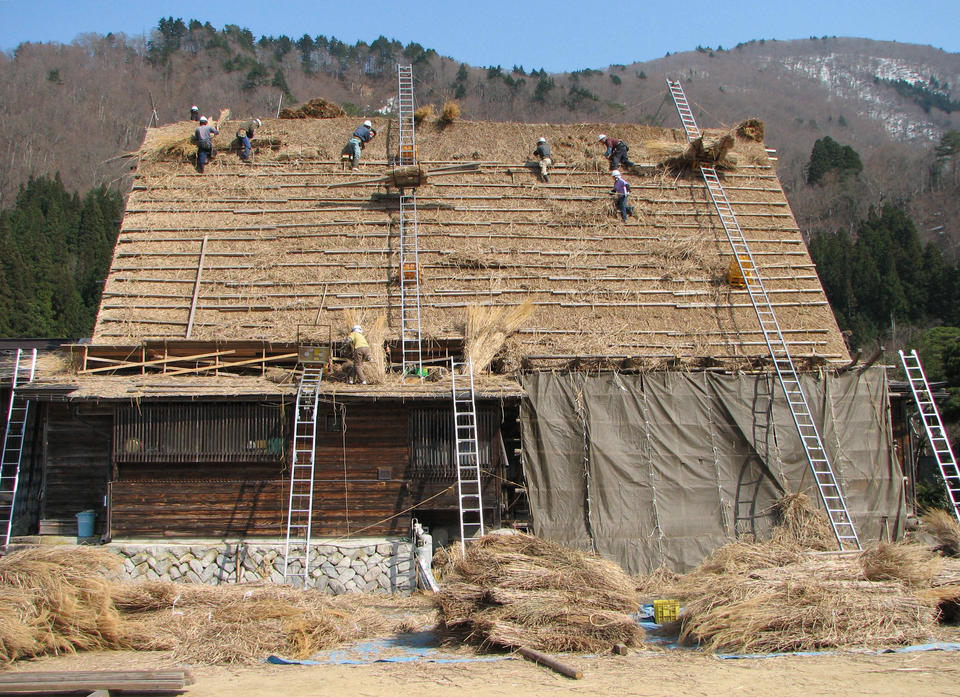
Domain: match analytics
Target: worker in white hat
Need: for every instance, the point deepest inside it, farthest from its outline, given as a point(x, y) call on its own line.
point(364, 134)
point(204, 135)
point(361, 353)
point(616, 151)
point(543, 152)
point(622, 189)
point(245, 135)
point(194, 113)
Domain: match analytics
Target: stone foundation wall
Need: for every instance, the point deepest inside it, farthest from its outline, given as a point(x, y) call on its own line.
point(380, 565)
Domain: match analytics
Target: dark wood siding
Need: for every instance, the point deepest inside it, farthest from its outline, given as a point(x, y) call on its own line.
point(364, 483)
point(76, 461)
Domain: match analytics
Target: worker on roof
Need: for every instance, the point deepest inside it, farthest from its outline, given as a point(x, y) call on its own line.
point(245, 135)
point(194, 113)
point(543, 152)
point(361, 353)
point(622, 189)
point(204, 135)
point(616, 151)
point(364, 134)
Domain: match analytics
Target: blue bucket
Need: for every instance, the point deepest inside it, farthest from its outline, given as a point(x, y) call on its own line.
point(85, 520)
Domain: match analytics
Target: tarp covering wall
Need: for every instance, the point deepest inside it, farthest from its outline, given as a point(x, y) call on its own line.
point(663, 468)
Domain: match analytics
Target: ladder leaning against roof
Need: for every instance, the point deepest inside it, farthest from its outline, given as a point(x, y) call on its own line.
point(933, 425)
point(816, 454)
point(467, 451)
point(410, 333)
point(296, 555)
point(18, 413)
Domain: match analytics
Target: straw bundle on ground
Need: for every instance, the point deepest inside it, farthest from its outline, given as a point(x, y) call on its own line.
point(55, 601)
point(318, 108)
point(910, 564)
point(943, 527)
point(799, 522)
point(61, 600)
point(517, 590)
point(487, 328)
point(241, 623)
point(801, 609)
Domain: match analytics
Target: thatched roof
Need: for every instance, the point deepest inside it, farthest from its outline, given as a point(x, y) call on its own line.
point(283, 250)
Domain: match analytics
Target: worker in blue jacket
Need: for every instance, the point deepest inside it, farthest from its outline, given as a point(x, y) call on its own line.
point(363, 135)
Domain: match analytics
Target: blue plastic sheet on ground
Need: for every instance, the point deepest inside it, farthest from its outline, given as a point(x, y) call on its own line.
point(934, 646)
point(403, 648)
point(664, 637)
point(280, 661)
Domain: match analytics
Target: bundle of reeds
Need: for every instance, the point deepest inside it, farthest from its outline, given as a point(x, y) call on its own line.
point(800, 609)
point(318, 108)
point(508, 591)
point(487, 328)
point(375, 330)
point(751, 129)
point(710, 148)
point(911, 564)
point(799, 522)
point(61, 600)
point(943, 527)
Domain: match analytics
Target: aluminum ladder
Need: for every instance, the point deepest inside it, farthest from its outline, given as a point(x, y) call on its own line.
point(933, 425)
point(827, 484)
point(407, 154)
point(410, 330)
point(18, 412)
point(296, 564)
point(467, 452)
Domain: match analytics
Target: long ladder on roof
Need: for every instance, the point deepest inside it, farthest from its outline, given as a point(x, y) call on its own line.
point(410, 332)
point(933, 425)
point(467, 451)
point(296, 565)
point(827, 483)
point(18, 412)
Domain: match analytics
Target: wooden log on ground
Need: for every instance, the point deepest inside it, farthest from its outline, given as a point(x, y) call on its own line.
point(156, 682)
point(550, 662)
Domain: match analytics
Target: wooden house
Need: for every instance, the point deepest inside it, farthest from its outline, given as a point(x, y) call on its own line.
point(175, 421)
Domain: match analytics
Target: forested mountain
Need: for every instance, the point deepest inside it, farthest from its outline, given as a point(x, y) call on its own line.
point(868, 132)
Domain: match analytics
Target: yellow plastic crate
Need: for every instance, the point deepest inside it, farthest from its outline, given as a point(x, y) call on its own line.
point(666, 611)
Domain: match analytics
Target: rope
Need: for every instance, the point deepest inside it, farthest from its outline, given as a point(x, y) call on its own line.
point(343, 444)
point(389, 518)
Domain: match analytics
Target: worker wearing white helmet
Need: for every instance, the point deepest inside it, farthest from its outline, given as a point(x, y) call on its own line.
point(361, 354)
point(543, 152)
point(204, 135)
point(622, 189)
point(616, 151)
point(245, 135)
point(363, 135)
point(194, 113)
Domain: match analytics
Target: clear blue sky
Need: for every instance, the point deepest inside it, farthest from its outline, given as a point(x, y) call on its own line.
point(557, 35)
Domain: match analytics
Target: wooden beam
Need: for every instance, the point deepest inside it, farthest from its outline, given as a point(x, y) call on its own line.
point(196, 286)
point(158, 361)
point(224, 366)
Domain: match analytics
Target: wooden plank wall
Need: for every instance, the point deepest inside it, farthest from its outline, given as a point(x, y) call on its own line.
point(362, 478)
point(76, 461)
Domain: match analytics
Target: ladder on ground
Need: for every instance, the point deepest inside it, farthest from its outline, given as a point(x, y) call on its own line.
point(18, 412)
point(933, 425)
point(467, 451)
point(296, 565)
point(410, 331)
point(827, 484)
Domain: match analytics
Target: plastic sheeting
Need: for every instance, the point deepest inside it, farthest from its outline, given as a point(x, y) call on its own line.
point(663, 468)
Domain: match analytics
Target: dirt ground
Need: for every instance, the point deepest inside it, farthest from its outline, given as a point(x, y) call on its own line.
point(649, 673)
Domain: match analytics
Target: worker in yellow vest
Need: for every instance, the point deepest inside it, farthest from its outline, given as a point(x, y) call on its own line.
point(361, 353)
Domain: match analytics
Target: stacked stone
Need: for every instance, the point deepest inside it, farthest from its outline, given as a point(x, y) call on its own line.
point(375, 566)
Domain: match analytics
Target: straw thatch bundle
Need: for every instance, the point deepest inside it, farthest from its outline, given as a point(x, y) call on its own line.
point(318, 108)
point(517, 590)
point(375, 331)
point(487, 329)
point(801, 609)
point(943, 527)
point(449, 113)
point(911, 564)
point(800, 522)
point(241, 623)
point(751, 129)
point(423, 113)
point(55, 601)
point(61, 600)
